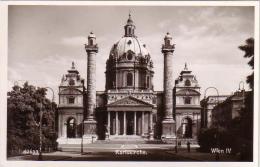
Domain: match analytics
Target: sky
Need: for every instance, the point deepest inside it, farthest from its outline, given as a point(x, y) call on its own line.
point(44, 40)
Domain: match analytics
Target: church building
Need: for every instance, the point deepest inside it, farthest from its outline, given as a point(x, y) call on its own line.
point(129, 108)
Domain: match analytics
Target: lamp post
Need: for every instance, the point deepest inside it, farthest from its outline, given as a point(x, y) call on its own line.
point(243, 92)
point(216, 136)
point(176, 141)
point(40, 124)
point(82, 124)
point(204, 108)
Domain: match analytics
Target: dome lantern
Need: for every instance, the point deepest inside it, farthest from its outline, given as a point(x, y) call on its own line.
point(129, 27)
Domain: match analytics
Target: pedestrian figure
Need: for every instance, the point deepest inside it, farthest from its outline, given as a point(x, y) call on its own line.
point(188, 146)
point(106, 131)
point(217, 157)
point(243, 152)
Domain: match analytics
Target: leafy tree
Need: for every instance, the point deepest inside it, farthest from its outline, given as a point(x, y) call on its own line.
point(23, 116)
point(248, 48)
point(245, 120)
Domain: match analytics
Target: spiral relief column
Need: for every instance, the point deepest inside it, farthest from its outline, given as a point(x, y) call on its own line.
point(168, 123)
point(90, 124)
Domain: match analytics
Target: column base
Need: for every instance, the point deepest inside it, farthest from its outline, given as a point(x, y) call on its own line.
point(151, 136)
point(90, 133)
point(168, 129)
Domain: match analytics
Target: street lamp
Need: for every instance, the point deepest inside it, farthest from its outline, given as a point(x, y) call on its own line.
point(40, 124)
point(176, 141)
point(204, 107)
point(243, 91)
point(217, 155)
point(82, 124)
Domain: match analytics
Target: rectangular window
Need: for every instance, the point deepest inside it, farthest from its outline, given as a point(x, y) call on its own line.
point(71, 100)
point(187, 100)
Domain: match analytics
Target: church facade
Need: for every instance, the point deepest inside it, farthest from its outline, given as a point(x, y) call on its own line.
point(129, 108)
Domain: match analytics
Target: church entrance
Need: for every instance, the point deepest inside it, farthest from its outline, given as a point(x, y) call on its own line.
point(129, 123)
point(187, 128)
point(71, 128)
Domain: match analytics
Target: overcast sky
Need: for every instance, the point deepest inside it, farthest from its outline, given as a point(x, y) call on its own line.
point(44, 40)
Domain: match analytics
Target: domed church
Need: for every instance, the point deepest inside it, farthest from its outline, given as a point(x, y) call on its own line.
point(129, 108)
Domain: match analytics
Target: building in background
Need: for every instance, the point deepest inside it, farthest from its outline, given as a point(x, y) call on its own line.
point(187, 105)
point(224, 112)
point(207, 104)
point(70, 107)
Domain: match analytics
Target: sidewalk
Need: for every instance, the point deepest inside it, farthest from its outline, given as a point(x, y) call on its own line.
point(54, 156)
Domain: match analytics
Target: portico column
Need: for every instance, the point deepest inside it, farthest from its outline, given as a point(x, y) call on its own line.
point(116, 123)
point(135, 123)
point(108, 123)
point(142, 123)
point(65, 130)
point(124, 123)
point(151, 126)
point(151, 120)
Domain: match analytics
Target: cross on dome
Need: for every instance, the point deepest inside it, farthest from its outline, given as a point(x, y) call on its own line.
point(185, 67)
point(130, 18)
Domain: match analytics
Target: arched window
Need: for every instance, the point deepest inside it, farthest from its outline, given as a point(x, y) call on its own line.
point(129, 31)
point(71, 128)
point(71, 82)
point(91, 42)
point(129, 79)
point(168, 42)
point(187, 128)
point(129, 56)
point(148, 81)
point(187, 83)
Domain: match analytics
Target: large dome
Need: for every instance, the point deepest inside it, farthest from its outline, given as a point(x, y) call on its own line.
point(129, 65)
point(129, 44)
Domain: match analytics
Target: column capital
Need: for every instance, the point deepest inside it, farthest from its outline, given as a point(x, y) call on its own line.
point(91, 48)
point(168, 48)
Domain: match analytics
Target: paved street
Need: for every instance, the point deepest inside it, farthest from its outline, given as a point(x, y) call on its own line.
point(126, 152)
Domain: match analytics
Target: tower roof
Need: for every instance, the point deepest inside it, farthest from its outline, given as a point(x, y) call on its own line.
point(168, 36)
point(91, 35)
point(185, 70)
point(73, 69)
point(130, 21)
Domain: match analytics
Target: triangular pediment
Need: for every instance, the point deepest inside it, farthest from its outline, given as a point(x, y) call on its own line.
point(129, 101)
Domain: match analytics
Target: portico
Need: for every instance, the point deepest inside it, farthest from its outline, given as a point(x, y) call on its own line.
point(132, 119)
